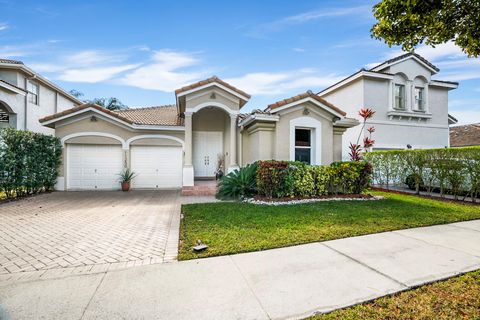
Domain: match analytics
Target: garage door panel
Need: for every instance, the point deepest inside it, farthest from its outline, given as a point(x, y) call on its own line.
point(93, 167)
point(157, 167)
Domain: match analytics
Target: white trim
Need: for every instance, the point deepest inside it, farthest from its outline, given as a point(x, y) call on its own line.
point(386, 65)
point(212, 104)
point(259, 117)
point(307, 99)
point(155, 136)
point(12, 88)
point(95, 134)
point(244, 98)
point(355, 76)
point(406, 124)
point(219, 92)
point(434, 83)
point(316, 138)
point(155, 127)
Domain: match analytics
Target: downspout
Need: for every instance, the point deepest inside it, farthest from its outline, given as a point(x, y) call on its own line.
point(56, 101)
point(26, 106)
point(240, 147)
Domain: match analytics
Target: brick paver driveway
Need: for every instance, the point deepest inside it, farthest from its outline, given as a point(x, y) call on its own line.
point(83, 232)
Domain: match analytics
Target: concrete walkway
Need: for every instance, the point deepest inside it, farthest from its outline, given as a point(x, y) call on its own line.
point(285, 283)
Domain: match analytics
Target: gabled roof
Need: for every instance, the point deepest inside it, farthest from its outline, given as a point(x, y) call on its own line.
point(465, 136)
point(212, 80)
point(154, 116)
point(308, 94)
point(158, 115)
point(403, 57)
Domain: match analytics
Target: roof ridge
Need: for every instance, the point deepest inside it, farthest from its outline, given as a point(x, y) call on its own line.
point(3, 60)
point(405, 55)
point(146, 108)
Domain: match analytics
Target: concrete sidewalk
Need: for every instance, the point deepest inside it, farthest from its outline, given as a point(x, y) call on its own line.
point(292, 282)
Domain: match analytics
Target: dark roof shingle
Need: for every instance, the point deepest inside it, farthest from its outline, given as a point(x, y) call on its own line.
point(465, 136)
point(408, 54)
point(10, 61)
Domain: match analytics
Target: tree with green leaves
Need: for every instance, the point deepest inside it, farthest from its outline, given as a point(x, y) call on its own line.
point(412, 22)
point(111, 103)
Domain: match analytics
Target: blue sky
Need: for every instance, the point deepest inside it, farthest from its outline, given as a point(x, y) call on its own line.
point(140, 51)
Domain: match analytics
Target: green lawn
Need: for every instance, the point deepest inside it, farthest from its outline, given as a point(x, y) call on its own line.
point(456, 298)
point(240, 227)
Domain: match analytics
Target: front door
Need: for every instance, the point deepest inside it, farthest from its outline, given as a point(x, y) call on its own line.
point(207, 146)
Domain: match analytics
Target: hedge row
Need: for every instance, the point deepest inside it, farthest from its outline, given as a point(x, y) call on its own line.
point(277, 179)
point(28, 162)
point(454, 171)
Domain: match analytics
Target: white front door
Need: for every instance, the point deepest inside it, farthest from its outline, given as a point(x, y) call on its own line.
point(156, 167)
point(93, 167)
point(207, 146)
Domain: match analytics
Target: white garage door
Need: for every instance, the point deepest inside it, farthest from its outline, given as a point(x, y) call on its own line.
point(156, 167)
point(93, 167)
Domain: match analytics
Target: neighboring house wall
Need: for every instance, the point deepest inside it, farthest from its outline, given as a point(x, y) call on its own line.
point(50, 101)
point(395, 129)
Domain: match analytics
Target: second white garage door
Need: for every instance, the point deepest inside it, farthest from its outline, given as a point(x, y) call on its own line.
point(156, 167)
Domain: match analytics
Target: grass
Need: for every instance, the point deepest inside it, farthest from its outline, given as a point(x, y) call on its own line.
point(455, 298)
point(240, 227)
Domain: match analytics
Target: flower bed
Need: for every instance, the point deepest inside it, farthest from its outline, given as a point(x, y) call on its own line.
point(290, 201)
point(296, 180)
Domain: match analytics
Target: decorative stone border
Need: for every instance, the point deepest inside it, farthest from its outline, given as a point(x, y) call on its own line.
point(301, 201)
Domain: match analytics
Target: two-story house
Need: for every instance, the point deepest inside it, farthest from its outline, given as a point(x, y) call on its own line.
point(411, 107)
point(26, 96)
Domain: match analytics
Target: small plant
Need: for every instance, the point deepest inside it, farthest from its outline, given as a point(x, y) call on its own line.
point(368, 142)
point(239, 183)
point(126, 176)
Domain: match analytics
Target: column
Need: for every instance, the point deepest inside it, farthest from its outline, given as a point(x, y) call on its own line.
point(390, 96)
point(187, 148)
point(233, 143)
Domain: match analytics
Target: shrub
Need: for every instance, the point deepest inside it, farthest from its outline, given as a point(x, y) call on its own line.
point(273, 180)
point(296, 179)
point(455, 170)
point(28, 162)
point(238, 183)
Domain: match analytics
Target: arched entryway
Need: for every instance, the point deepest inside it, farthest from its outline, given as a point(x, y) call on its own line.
point(8, 119)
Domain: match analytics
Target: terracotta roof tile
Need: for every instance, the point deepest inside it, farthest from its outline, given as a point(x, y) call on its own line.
point(464, 136)
point(81, 107)
point(160, 115)
point(211, 80)
point(303, 96)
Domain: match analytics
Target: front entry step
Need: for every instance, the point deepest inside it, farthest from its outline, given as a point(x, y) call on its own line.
point(200, 190)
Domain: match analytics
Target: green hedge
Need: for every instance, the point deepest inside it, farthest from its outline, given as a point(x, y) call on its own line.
point(455, 170)
point(277, 179)
point(28, 162)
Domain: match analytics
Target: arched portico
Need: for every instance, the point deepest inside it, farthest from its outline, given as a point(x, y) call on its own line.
point(8, 118)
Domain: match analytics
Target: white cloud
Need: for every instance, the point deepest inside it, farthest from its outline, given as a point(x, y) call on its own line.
point(167, 71)
point(466, 116)
point(93, 75)
point(299, 50)
point(305, 17)
point(94, 57)
point(281, 83)
point(4, 26)
point(11, 51)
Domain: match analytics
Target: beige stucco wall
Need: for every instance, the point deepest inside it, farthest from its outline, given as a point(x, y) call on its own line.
point(258, 142)
point(102, 125)
point(205, 96)
point(282, 135)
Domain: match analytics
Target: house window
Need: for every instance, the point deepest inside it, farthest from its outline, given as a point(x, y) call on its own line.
point(419, 99)
point(32, 89)
point(303, 145)
point(4, 117)
point(399, 96)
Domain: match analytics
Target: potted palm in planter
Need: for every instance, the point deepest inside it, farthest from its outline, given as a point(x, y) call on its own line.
point(126, 177)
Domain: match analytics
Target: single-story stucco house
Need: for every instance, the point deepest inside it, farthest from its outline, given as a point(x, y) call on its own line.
point(171, 146)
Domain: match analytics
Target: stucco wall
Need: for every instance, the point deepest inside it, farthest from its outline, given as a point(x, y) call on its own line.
point(50, 102)
point(282, 135)
point(205, 96)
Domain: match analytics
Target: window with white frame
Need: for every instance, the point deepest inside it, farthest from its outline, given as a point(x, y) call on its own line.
point(33, 90)
point(400, 96)
point(419, 99)
point(303, 145)
point(4, 116)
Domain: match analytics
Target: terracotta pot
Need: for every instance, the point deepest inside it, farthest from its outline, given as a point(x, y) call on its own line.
point(125, 185)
